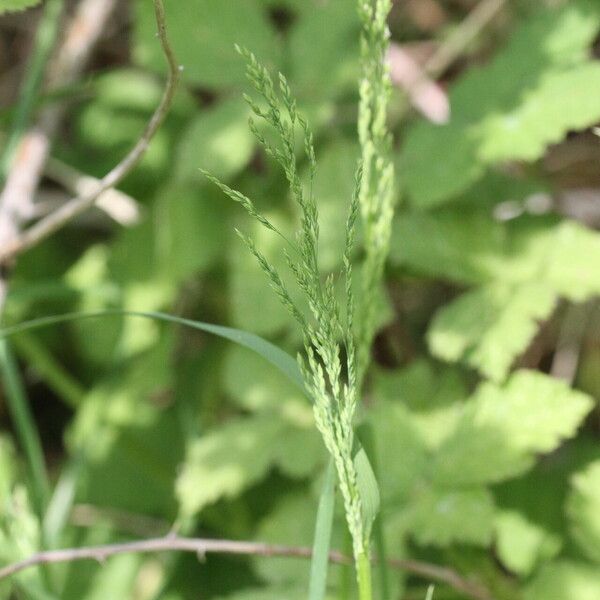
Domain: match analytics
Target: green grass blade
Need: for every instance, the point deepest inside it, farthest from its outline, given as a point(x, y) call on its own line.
point(322, 541)
point(271, 353)
point(366, 435)
point(25, 427)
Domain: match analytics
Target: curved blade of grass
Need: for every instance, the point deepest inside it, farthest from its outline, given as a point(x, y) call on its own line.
point(322, 541)
point(18, 406)
point(289, 367)
point(271, 353)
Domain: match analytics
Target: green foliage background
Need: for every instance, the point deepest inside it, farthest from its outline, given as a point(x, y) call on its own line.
point(487, 464)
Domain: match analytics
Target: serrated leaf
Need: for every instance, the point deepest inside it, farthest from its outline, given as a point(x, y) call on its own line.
point(203, 34)
point(14, 5)
point(469, 246)
point(510, 109)
point(521, 545)
point(504, 427)
point(526, 266)
point(490, 326)
point(226, 461)
point(583, 509)
point(440, 517)
point(565, 580)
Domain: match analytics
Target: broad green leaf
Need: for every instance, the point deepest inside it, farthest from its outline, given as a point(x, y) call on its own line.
point(13, 5)
point(116, 579)
point(291, 522)
point(441, 517)
point(253, 384)
point(521, 545)
point(433, 397)
point(90, 277)
point(324, 40)
point(469, 246)
point(108, 125)
point(490, 326)
point(190, 232)
point(226, 461)
point(512, 108)
point(583, 506)
point(565, 580)
point(394, 436)
point(319, 564)
point(218, 140)
point(525, 266)
point(254, 305)
point(203, 34)
point(504, 427)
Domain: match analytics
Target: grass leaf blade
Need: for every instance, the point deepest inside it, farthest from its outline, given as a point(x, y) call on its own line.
point(270, 352)
point(322, 541)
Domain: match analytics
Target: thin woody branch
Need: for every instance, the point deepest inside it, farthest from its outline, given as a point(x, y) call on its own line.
point(58, 219)
point(202, 547)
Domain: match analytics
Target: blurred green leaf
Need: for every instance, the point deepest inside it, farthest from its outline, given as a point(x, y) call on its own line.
point(324, 40)
point(438, 516)
point(565, 580)
point(226, 461)
point(504, 427)
point(490, 326)
point(12, 5)
point(203, 34)
point(583, 506)
point(521, 545)
point(191, 226)
point(509, 109)
point(217, 140)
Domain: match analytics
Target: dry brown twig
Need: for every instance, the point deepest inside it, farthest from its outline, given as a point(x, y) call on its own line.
point(202, 547)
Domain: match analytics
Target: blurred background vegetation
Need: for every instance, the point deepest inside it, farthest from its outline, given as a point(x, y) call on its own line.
point(483, 393)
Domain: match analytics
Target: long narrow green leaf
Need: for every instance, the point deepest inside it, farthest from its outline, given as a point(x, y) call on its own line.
point(322, 541)
point(271, 353)
point(366, 435)
point(25, 427)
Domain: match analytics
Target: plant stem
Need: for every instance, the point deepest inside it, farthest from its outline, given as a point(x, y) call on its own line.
point(363, 572)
